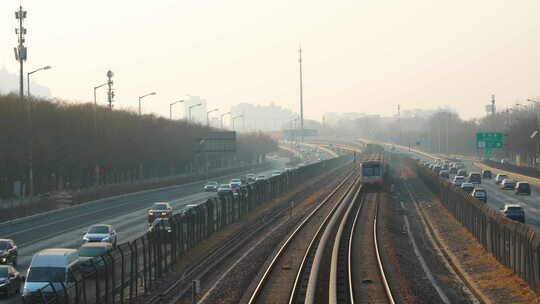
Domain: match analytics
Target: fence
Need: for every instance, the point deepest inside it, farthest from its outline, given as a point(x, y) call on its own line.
point(132, 268)
point(528, 171)
point(512, 243)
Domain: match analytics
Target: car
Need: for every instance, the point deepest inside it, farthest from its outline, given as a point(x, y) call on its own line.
point(89, 254)
point(260, 178)
point(276, 173)
point(224, 189)
point(487, 174)
point(444, 174)
point(467, 187)
point(186, 208)
point(453, 170)
point(251, 177)
point(159, 209)
point(508, 184)
point(436, 169)
point(458, 180)
point(235, 184)
point(499, 178)
point(101, 233)
point(475, 178)
point(211, 186)
point(523, 188)
point(161, 224)
point(514, 212)
point(8, 252)
point(10, 280)
point(480, 194)
point(462, 172)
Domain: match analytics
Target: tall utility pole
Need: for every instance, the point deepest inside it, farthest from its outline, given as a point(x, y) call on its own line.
point(301, 97)
point(493, 104)
point(399, 122)
point(110, 92)
point(20, 50)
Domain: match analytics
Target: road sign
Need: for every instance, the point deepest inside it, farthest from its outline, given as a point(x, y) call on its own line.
point(216, 142)
point(488, 153)
point(489, 140)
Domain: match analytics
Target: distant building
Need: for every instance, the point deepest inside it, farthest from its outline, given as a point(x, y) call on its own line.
point(263, 117)
point(198, 114)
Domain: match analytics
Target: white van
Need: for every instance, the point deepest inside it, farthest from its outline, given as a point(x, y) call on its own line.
point(50, 265)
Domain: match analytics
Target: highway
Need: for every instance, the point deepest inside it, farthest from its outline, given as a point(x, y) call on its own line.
point(64, 228)
point(497, 197)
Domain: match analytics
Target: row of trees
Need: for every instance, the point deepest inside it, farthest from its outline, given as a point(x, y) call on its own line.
point(443, 131)
point(77, 145)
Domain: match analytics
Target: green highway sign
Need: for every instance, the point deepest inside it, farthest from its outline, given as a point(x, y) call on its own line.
point(489, 140)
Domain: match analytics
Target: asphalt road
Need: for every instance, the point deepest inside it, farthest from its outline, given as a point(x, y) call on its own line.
point(64, 228)
point(497, 197)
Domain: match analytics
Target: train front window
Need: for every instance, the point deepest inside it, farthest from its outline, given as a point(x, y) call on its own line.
point(371, 170)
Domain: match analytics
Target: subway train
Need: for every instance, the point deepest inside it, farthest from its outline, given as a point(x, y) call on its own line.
point(372, 169)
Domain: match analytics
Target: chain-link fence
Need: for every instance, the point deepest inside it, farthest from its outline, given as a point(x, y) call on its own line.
point(513, 244)
point(133, 268)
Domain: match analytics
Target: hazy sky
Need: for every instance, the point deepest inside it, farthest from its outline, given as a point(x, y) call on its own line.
point(364, 56)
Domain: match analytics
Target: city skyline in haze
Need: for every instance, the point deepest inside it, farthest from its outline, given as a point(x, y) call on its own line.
point(363, 57)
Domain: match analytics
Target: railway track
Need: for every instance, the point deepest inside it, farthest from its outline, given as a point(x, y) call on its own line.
point(183, 286)
point(341, 264)
point(289, 266)
point(356, 273)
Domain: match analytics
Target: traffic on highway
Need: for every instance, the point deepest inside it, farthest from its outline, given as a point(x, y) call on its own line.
point(90, 230)
point(516, 199)
point(81, 234)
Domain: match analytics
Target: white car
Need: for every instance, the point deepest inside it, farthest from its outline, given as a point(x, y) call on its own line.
point(235, 183)
point(101, 233)
point(276, 173)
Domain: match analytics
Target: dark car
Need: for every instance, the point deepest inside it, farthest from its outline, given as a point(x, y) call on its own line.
point(10, 280)
point(8, 252)
point(480, 194)
point(89, 254)
point(159, 210)
point(160, 224)
point(508, 184)
point(487, 174)
point(444, 174)
point(475, 178)
point(523, 188)
point(514, 212)
point(453, 170)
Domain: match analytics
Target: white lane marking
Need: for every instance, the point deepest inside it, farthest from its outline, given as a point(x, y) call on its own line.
point(426, 269)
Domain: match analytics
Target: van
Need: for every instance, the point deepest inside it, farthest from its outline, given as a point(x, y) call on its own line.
point(50, 265)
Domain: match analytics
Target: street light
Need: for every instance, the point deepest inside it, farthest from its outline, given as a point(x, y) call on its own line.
point(228, 113)
point(31, 139)
point(141, 97)
point(191, 107)
point(235, 117)
point(172, 104)
point(30, 73)
point(208, 116)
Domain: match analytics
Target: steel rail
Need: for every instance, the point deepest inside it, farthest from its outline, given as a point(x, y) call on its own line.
point(282, 249)
point(379, 260)
point(341, 241)
point(316, 251)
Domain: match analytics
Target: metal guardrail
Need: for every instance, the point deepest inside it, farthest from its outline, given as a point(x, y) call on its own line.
point(133, 268)
point(513, 244)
